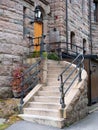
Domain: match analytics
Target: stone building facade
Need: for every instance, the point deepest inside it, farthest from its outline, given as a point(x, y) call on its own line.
point(15, 26)
point(94, 26)
point(15, 17)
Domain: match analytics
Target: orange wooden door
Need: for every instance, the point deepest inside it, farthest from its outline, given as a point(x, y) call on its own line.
point(38, 28)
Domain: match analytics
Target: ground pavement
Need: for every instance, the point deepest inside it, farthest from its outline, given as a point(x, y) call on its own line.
point(89, 123)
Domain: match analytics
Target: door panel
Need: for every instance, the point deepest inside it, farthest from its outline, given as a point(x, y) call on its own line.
point(94, 80)
point(37, 33)
point(91, 66)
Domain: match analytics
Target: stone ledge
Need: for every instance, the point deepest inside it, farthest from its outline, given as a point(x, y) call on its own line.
point(31, 94)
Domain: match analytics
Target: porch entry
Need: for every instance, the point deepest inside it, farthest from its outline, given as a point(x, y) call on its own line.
point(38, 30)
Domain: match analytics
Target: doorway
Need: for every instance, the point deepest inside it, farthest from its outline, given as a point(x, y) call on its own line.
point(38, 30)
point(91, 66)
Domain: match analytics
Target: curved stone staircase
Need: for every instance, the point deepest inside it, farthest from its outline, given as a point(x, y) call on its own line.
point(42, 104)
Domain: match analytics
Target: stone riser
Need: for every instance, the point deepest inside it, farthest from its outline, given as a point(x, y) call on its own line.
point(56, 73)
point(49, 99)
point(51, 88)
point(42, 112)
point(60, 123)
point(48, 93)
point(52, 83)
point(44, 105)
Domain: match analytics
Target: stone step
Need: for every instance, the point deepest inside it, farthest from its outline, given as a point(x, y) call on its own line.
point(53, 83)
point(51, 88)
point(55, 79)
point(51, 121)
point(54, 71)
point(52, 78)
point(53, 62)
point(58, 63)
point(45, 105)
point(42, 112)
point(58, 72)
point(48, 93)
point(49, 99)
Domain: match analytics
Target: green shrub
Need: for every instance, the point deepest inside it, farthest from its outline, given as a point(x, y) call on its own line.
point(34, 54)
point(53, 56)
point(44, 54)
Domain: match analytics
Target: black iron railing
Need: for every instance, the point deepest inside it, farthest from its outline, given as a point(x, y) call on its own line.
point(61, 49)
point(75, 49)
point(35, 42)
point(30, 78)
point(79, 64)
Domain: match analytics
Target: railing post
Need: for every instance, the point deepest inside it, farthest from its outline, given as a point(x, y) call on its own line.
point(21, 98)
point(42, 46)
point(80, 71)
point(62, 102)
point(76, 50)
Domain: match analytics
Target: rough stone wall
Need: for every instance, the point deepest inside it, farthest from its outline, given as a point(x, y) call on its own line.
point(94, 31)
point(13, 44)
point(57, 19)
point(78, 21)
point(78, 14)
point(78, 107)
point(15, 27)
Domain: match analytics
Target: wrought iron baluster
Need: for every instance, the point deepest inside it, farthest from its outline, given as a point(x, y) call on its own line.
point(62, 102)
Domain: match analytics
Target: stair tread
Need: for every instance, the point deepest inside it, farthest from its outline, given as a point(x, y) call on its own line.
point(47, 96)
point(41, 109)
point(49, 91)
point(45, 103)
point(42, 117)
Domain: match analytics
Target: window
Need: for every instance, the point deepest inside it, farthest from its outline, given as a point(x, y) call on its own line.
point(83, 6)
point(72, 40)
point(70, 1)
point(84, 46)
point(95, 8)
point(24, 18)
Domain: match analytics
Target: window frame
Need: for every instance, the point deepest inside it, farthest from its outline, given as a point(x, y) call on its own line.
point(95, 10)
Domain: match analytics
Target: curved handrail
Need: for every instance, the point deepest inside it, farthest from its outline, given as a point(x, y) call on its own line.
point(80, 57)
point(69, 65)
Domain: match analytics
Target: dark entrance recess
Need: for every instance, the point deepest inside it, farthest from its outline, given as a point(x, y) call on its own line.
point(91, 66)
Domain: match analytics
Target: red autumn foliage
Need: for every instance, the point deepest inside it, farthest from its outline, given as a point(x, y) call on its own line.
point(17, 79)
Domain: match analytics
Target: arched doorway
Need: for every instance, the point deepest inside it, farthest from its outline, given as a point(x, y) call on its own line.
point(38, 29)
